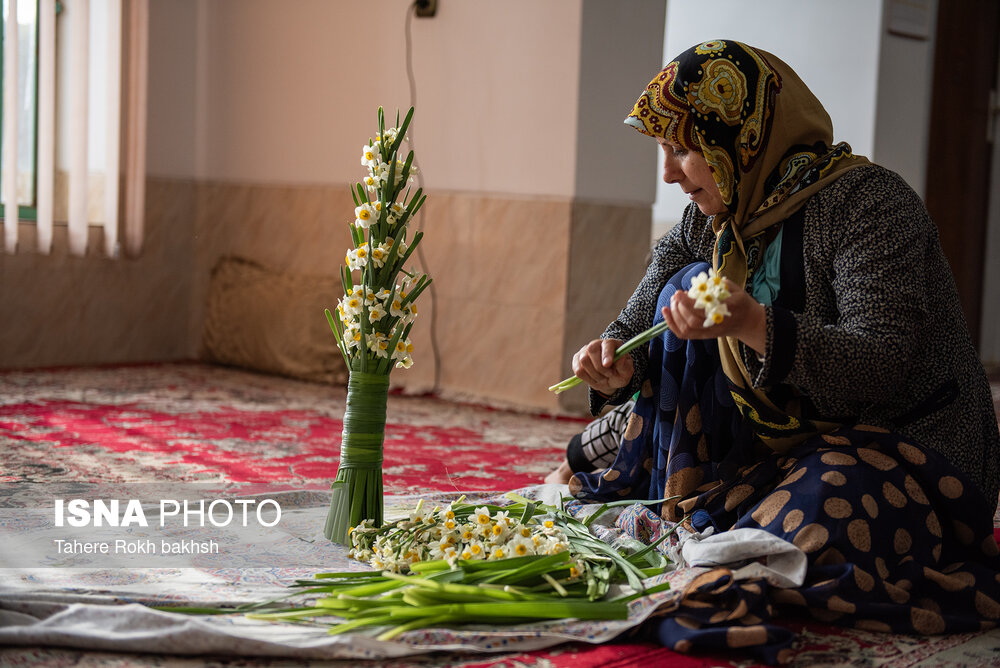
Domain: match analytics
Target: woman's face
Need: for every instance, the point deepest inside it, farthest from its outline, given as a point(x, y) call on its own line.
point(691, 172)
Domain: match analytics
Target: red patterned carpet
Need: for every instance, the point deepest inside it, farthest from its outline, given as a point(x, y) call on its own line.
point(199, 423)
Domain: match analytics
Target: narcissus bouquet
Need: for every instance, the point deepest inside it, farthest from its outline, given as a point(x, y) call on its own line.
point(708, 290)
point(372, 321)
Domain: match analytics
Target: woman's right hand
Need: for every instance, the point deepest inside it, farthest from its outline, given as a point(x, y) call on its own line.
point(595, 365)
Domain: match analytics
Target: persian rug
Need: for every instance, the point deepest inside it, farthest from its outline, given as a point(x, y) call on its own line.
point(194, 423)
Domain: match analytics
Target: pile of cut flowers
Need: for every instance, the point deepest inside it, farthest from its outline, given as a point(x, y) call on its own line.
point(463, 563)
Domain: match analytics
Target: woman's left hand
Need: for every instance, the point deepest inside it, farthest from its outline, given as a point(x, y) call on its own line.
point(747, 319)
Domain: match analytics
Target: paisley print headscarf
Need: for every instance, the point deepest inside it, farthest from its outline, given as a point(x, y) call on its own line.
point(769, 144)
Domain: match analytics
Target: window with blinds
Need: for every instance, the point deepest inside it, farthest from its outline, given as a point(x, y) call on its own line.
point(73, 120)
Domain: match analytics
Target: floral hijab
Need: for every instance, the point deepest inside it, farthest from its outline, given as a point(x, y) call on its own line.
point(769, 144)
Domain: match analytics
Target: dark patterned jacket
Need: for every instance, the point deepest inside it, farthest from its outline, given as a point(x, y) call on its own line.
point(872, 333)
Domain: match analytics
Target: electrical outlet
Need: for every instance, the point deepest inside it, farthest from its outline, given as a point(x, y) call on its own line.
point(426, 8)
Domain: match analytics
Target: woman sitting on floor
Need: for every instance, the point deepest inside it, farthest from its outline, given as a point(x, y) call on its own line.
point(841, 405)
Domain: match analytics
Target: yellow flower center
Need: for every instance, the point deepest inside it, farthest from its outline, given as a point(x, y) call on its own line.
point(364, 215)
point(521, 549)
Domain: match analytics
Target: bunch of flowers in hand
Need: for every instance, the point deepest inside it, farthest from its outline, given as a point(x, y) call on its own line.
point(372, 321)
point(708, 290)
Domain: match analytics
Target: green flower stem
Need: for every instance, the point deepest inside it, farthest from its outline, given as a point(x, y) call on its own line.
point(628, 346)
point(357, 490)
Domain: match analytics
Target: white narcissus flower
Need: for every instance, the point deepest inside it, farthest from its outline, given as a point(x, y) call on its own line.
point(369, 155)
point(365, 215)
point(715, 315)
point(350, 305)
point(474, 550)
point(403, 355)
point(375, 313)
point(401, 250)
point(395, 213)
point(718, 284)
point(352, 336)
point(521, 547)
point(396, 309)
point(379, 344)
point(482, 516)
point(358, 258)
point(389, 136)
point(699, 286)
point(706, 300)
point(378, 257)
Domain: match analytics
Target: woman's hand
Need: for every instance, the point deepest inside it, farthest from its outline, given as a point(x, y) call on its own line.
point(595, 365)
point(747, 320)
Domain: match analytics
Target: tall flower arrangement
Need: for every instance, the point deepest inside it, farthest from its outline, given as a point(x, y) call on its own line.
point(373, 319)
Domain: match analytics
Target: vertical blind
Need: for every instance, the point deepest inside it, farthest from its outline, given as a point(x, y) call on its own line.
point(133, 17)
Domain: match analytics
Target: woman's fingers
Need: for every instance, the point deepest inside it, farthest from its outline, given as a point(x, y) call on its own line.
point(594, 364)
point(685, 320)
point(746, 319)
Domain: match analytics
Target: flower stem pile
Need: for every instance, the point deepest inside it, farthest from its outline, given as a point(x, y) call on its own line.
point(534, 562)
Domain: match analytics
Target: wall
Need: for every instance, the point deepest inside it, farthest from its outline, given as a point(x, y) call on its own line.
point(833, 46)
point(905, 78)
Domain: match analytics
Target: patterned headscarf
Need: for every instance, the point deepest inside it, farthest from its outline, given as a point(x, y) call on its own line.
point(769, 144)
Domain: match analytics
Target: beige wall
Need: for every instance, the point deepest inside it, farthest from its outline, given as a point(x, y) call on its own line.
point(538, 210)
point(532, 180)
